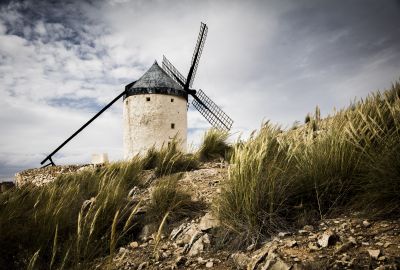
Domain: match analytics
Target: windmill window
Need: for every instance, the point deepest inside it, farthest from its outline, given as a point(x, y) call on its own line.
point(172, 125)
point(172, 100)
point(148, 99)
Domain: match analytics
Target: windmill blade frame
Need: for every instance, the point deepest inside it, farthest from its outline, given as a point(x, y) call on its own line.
point(196, 55)
point(211, 112)
point(173, 72)
point(49, 157)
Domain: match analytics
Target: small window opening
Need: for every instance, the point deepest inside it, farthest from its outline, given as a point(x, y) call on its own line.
point(148, 99)
point(172, 100)
point(172, 126)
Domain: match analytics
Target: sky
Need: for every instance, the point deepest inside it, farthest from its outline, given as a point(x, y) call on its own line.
point(62, 61)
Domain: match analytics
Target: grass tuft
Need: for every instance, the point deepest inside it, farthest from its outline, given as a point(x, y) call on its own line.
point(214, 145)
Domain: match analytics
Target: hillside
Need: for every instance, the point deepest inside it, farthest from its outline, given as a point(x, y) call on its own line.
point(324, 195)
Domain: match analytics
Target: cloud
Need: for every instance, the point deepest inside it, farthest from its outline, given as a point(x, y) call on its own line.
point(60, 62)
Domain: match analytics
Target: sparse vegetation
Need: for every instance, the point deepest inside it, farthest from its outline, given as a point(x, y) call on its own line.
point(168, 199)
point(68, 223)
point(169, 159)
point(214, 145)
point(348, 161)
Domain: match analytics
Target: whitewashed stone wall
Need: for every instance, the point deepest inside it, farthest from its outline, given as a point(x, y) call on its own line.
point(148, 122)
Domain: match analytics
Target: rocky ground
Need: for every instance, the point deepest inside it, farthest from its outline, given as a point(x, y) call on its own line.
point(347, 242)
point(42, 176)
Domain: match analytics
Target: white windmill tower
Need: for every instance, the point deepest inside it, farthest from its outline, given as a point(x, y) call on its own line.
point(155, 107)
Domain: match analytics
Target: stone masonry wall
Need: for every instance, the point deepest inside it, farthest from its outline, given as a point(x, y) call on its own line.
point(41, 176)
point(153, 119)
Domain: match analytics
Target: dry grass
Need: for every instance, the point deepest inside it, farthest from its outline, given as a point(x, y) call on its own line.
point(169, 160)
point(214, 145)
point(168, 199)
point(51, 226)
point(348, 161)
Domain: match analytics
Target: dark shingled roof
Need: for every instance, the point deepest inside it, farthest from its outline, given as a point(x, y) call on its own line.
point(156, 77)
point(156, 81)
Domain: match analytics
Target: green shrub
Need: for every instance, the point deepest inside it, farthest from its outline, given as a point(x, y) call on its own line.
point(214, 145)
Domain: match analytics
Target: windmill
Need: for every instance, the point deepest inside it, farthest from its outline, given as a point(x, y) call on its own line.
point(155, 106)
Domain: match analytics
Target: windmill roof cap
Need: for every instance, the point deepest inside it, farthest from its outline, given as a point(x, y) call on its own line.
point(155, 76)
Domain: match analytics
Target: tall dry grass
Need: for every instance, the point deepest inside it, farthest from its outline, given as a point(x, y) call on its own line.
point(348, 161)
point(214, 145)
point(169, 159)
point(68, 223)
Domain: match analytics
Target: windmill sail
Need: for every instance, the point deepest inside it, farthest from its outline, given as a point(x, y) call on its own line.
point(197, 53)
point(173, 72)
point(211, 112)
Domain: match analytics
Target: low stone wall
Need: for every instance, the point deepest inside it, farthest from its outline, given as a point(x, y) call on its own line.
point(41, 176)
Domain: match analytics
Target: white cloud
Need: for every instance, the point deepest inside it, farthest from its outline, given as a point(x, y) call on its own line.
point(262, 60)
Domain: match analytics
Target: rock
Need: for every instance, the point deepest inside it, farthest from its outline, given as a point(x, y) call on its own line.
point(381, 258)
point(374, 253)
point(291, 243)
point(327, 238)
point(352, 240)
point(198, 246)
point(209, 264)
point(175, 232)
point(283, 234)
point(387, 244)
point(200, 260)
point(192, 240)
point(240, 259)
point(207, 222)
point(303, 232)
point(260, 255)
point(189, 232)
point(134, 245)
point(122, 250)
point(366, 224)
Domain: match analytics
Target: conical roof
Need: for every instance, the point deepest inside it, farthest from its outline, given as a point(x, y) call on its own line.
point(156, 77)
point(156, 81)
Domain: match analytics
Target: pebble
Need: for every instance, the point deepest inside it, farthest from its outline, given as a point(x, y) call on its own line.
point(209, 264)
point(366, 224)
point(387, 244)
point(374, 253)
point(134, 245)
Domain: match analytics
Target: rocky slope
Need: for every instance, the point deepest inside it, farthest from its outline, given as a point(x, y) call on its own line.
point(347, 242)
